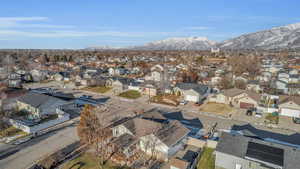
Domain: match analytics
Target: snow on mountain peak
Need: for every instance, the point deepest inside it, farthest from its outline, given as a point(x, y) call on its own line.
point(184, 40)
point(293, 26)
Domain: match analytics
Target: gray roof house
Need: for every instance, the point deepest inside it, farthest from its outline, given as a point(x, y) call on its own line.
point(241, 152)
point(163, 138)
point(192, 91)
point(39, 104)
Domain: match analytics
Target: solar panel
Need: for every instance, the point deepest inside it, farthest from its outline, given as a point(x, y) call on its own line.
point(265, 153)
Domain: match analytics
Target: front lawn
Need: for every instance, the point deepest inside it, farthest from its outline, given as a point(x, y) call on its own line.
point(207, 160)
point(216, 108)
point(130, 94)
point(87, 161)
point(98, 89)
point(167, 99)
point(11, 131)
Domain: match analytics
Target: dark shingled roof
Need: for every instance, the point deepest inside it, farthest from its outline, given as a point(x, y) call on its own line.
point(35, 99)
point(154, 116)
point(172, 132)
point(237, 145)
point(199, 88)
point(141, 127)
point(124, 141)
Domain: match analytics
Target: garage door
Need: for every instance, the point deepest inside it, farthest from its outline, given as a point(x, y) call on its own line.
point(244, 105)
point(191, 98)
point(289, 112)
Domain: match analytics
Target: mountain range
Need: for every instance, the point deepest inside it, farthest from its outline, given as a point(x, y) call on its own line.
point(276, 38)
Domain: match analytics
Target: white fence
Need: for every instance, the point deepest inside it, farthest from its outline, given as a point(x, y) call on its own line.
point(36, 128)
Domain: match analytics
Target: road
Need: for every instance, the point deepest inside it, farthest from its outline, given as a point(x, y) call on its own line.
point(24, 155)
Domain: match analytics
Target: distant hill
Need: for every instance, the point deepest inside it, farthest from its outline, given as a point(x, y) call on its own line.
point(276, 38)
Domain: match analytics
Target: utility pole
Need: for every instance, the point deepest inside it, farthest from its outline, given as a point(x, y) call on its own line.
point(165, 74)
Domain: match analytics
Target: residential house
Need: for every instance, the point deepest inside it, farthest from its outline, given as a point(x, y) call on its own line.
point(241, 152)
point(294, 78)
point(153, 138)
point(39, 105)
point(265, 76)
point(61, 76)
point(240, 78)
point(216, 80)
point(149, 88)
point(283, 76)
point(250, 100)
point(121, 84)
point(192, 92)
point(156, 73)
point(290, 106)
point(293, 88)
point(293, 72)
point(230, 96)
point(238, 98)
point(134, 85)
point(282, 86)
point(253, 85)
point(38, 75)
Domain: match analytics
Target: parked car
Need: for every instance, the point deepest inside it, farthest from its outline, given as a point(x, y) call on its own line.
point(249, 112)
point(296, 120)
point(183, 102)
point(198, 103)
point(259, 115)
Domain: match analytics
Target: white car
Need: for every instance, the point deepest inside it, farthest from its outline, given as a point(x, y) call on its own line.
point(183, 102)
point(259, 115)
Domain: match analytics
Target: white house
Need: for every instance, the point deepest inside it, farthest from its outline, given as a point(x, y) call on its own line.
point(290, 107)
point(191, 91)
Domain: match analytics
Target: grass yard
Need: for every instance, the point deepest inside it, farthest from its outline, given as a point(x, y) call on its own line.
point(98, 89)
point(11, 131)
point(207, 160)
point(130, 94)
point(87, 161)
point(216, 108)
point(167, 99)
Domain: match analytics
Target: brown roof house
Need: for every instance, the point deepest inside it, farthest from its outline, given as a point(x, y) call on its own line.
point(238, 98)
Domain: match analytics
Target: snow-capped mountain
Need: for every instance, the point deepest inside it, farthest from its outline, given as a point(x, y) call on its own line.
point(278, 37)
point(190, 43)
point(103, 48)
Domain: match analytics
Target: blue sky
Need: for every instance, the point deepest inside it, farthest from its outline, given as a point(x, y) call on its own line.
point(83, 23)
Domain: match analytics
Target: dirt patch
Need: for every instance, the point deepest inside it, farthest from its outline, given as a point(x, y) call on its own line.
point(217, 108)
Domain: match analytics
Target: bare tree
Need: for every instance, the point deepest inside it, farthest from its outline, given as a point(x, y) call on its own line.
point(93, 132)
point(225, 83)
